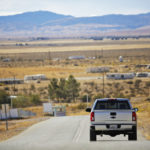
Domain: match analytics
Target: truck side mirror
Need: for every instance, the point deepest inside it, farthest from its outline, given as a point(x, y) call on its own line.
point(88, 110)
point(136, 109)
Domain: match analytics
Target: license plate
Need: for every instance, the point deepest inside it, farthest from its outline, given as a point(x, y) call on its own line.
point(113, 127)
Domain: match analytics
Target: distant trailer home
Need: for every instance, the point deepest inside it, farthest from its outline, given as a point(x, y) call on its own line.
point(143, 74)
point(11, 81)
point(76, 57)
point(120, 76)
point(35, 77)
point(148, 67)
point(6, 60)
point(98, 70)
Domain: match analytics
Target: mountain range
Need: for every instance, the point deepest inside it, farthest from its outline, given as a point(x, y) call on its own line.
point(44, 23)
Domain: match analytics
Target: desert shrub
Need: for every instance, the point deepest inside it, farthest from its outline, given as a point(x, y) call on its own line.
point(21, 101)
point(98, 96)
point(129, 82)
point(35, 99)
point(81, 106)
point(32, 87)
point(109, 84)
point(26, 101)
point(116, 85)
point(4, 97)
point(137, 83)
point(41, 89)
point(148, 99)
point(6, 88)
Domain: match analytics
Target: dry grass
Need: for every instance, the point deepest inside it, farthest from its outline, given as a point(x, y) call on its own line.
point(16, 127)
point(143, 116)
point(71, 48)
point(49, 71)
point(72, 45)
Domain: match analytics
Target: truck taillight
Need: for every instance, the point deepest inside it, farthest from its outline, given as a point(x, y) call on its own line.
point(92, 116)
point(133, 116)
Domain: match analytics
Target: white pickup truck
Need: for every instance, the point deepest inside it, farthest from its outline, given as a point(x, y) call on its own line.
point(113, 117)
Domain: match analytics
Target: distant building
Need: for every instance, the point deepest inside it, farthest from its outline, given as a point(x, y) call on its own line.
point(35, 77)
point(148, 67)
point(76, 57)
point(143, 74)
point(119, 76)
point(141, 66)
point(11, 81)
point(6, 60)
point(98, 69)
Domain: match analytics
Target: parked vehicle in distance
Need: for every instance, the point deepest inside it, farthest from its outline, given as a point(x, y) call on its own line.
point(113, 117)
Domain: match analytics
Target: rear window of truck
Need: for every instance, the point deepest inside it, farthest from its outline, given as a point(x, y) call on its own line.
point(112, 104)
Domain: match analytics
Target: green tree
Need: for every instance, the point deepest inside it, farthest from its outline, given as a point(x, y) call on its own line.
point(32, 87)
point(73, 88)
point(4, 97)
point(62, 91)
point(35, 100)
point(53, 88)
point(137, 83)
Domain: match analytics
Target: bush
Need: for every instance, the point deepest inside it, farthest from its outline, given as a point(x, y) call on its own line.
point(21, 101)
point(129, 82)
point(35, 100)
point(98, 96)
point(81, 106)
point(6, 88)
point(137, 83)
point(4, 97)
point(148, 99)
point(24, 101)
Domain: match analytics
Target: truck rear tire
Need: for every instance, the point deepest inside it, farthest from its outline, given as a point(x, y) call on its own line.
point(132, 136)
point(92, 135)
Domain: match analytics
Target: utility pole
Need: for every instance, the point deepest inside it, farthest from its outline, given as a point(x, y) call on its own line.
point(103, 84)
point(103, 75)
point(6, 116)
point(14, 85)
point(49, 57)
point(87, 100)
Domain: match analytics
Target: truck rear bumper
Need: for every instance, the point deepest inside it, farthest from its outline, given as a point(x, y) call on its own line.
point(110, 127)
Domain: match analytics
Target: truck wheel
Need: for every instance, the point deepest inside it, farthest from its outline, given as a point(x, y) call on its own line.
point(132, 136)
point(92, 135)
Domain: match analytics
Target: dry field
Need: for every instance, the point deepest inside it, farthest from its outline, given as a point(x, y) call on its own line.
point(37, 58)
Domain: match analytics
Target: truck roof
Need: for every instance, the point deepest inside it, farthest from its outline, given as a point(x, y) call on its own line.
point(118, 99)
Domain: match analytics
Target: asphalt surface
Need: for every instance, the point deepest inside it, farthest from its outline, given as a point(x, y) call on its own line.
point(69, 133)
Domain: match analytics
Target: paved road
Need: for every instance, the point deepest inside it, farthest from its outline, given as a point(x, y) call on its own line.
point(68, 133)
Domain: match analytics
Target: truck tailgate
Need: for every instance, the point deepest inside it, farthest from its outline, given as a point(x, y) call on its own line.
point(112, 116)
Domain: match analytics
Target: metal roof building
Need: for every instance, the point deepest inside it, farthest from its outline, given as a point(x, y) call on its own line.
point(11, 81)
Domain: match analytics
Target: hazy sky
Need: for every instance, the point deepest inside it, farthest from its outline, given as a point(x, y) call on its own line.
point(76, 7)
